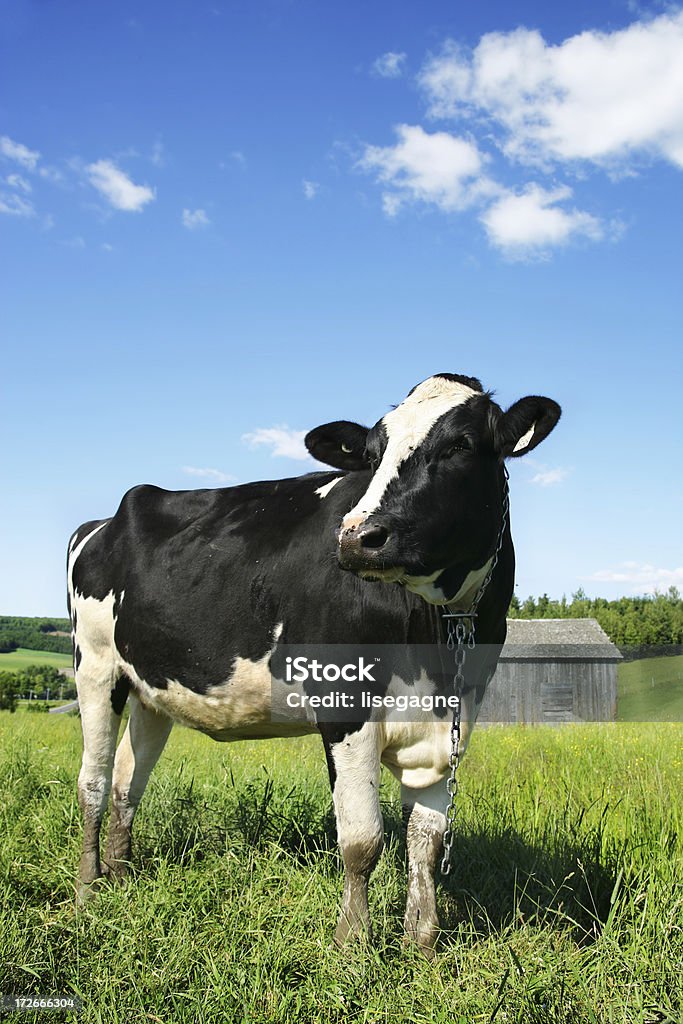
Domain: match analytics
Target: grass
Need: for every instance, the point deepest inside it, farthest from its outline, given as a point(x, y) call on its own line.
point(15, 661)
point(565, 905)
point(651, 690)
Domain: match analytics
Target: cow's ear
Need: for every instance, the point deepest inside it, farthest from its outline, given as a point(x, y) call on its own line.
point(525, 424)
point(340, 444)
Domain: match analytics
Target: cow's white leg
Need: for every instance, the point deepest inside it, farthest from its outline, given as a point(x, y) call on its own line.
point(100, 724)
point(360, 829)
point(425, 813)
point(136, 756)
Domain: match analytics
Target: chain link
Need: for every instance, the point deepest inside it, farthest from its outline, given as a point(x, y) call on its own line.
point(457, 632)
point(460, 638)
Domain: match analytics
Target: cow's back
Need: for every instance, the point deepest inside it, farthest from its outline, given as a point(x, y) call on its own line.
point(192, 582)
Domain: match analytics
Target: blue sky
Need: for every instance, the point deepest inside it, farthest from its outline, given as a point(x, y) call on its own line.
point(225, 223)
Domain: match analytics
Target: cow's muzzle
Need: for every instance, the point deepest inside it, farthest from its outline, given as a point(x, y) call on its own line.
point(364, 544)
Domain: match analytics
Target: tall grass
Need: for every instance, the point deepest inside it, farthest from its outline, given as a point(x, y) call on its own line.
point(565, 905)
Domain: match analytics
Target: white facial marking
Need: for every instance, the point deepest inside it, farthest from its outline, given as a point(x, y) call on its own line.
point(524, 441)
point(326, 488)
point(406, 427)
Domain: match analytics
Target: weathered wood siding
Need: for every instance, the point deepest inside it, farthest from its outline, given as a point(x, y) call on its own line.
point(541, 690)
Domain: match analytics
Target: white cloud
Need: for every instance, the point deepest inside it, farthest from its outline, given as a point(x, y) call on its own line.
point(531, 222)
point(193, 219)
point(284, 442)
point(391, 203)
point(603, 97)
point(389, 65)
point(216, 476)
point(117, 187)
point(17, 182)
point(311, 188)
point(644, 577)
point(428, 167)
point(51, 174)
point(15, 205)
point(596, 101)
point(158, 154)
point(28, 158)
point(549, 477)
point(544, 475)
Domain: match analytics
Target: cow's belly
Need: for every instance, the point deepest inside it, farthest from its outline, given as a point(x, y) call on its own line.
point(239, 708)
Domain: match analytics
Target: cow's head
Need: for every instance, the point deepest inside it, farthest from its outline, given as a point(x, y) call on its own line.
point(432, 511)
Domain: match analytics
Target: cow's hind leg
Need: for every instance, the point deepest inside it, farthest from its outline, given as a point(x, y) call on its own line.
point(424, 812)
point(101, 700)
point(354, 771)
point(136, 756)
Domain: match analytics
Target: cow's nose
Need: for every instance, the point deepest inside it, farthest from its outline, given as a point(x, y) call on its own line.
point(373, 537)
point(360, 544)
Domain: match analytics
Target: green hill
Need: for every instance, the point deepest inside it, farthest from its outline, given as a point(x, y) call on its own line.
point(651, 690)
point(35, 634)
point(20, 659)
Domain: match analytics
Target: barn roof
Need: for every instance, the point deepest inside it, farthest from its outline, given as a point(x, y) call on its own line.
point(558, 639)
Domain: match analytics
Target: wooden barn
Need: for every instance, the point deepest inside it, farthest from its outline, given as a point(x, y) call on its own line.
point(554, 670)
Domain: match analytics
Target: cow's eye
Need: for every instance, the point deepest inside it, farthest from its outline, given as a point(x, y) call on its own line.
point(454, 449)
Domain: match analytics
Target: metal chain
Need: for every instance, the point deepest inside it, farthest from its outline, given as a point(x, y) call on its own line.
point(455, 641)
point(459, 638)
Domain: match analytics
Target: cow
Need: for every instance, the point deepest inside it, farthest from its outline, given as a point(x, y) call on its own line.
point(179, 601)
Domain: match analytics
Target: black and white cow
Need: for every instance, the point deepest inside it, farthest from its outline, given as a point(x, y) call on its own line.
point(179, 601)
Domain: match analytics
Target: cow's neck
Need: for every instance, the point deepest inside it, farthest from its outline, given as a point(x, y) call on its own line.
point(462, 601)
point(448, 588)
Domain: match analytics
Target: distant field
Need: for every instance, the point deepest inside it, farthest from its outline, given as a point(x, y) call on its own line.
point(651, 690)
point(15, 661)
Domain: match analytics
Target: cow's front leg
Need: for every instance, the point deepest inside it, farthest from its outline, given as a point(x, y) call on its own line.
point(354, 764)
point(425, 813)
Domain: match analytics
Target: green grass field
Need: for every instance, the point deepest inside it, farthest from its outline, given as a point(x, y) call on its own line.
point(17, 660)
point(651, 690)
point(565, 906)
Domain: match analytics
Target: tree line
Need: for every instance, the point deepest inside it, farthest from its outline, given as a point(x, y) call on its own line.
point(38, 634)
point(652, 621)
point(40, 682)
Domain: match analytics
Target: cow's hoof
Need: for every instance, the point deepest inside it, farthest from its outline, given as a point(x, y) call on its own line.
point(352, 931)
point(424, 939)
point(116, 871)
point(425, 948)
point(86, 891)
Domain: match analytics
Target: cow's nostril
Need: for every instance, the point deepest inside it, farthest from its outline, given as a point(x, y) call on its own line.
point(374, 537)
